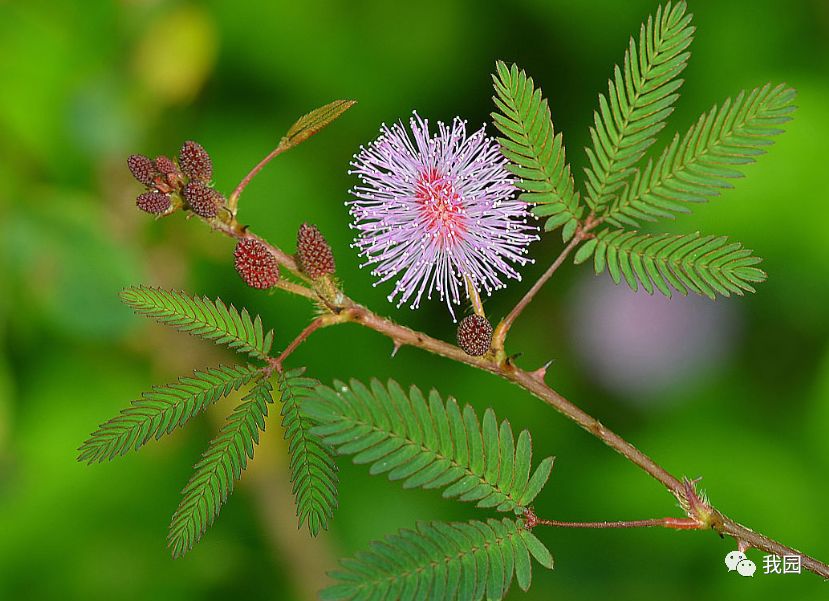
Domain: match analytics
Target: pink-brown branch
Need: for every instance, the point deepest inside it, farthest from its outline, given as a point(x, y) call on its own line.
point(531, 521)
point(701, 515)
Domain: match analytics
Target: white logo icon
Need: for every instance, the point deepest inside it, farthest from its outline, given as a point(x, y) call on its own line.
point(746, 567)
point(737, 561)
point(733, 558)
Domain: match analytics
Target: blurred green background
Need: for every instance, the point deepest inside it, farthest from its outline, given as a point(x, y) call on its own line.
point(84, 84)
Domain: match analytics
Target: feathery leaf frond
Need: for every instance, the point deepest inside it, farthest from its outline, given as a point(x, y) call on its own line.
point(442, 561)
point(313, 471)
point(706, 265)
point(695, 167)
point(639, 100)
point(429, 443)
point(535, 150)
point(162, 410)
point(221, 465)
point(211, 320)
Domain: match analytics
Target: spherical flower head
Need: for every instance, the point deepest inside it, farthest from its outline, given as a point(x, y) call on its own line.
point(313, 252)
point(202, 199)
point(434, 210)
point(255, 264)
point(475, 335)
point(165, 165)
point(142, 169)
point(195, 162)
point(153, 202)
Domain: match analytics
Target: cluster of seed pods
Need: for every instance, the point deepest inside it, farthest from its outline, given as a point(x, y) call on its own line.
point(174, 184)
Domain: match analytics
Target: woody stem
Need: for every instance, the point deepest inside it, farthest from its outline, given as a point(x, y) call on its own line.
point(700, 512)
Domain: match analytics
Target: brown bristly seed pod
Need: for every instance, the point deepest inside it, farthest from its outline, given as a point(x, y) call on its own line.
point(202, 199)
point(255, 264)
point(153, 202)
point(195, 162)
point(475, 335)
point(142, 169)
point(313, 252)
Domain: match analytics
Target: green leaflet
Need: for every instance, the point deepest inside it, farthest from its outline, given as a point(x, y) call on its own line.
point(640, 97)
point(221, 465)
point(535, 151)
point(706, 265)
point(429, 443)
point(211, 320)
point(692, 168)
point(310, 123)
point(695, 167)
point(313, 471)
point(162, 410)
point(442, 561)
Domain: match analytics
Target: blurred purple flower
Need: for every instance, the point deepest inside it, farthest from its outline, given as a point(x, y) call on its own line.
point(642, 345)
point(434, 209)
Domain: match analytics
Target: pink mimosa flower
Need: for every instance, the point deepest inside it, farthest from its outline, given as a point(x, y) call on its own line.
point(432, 210)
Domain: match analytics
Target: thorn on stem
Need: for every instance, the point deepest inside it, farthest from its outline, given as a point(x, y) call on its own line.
point(540, 373)
point(396, 348)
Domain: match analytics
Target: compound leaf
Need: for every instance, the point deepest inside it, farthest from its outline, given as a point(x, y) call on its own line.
point(221, 465)
point(162, 410)
point(428, 444)
point(640, 97)
point(313, 471)
point(442, 561)
point(698, 165)
point(211, 320)
point(535, 150)
point(706, 265)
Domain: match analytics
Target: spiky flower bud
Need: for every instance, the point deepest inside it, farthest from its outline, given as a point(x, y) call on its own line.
point(153, 202)
point(313, 252)
point(142, 169)
point(170, 177)
point(195, 162)
point(475, 335)
point(255, 264)
point(202, 199)
point(165, 165)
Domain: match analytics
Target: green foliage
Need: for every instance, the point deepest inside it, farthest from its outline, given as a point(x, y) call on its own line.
point(442, 561)
point(162, 410)
point(536, 152)
point(429, 444)
point(211, 320)
point(313, 471)
point(707, 265)
point(310, 123)
point(63, 350)
point(221, 465)
point(695, 167)
point(639, 100)
point(692, 168)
